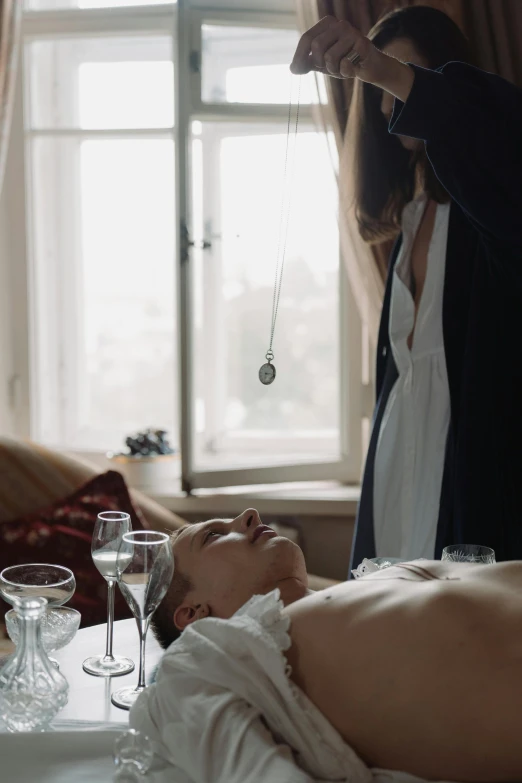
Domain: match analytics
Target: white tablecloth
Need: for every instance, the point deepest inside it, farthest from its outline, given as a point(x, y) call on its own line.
point(57, 757)
point(83, 754)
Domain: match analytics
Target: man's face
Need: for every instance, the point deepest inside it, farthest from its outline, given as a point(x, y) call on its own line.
point(229, 561)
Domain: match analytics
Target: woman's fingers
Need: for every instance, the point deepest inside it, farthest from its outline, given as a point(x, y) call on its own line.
point(337, 54)
point(329, 47)
point(321, 45)
point(302, 62)
point(348, 68)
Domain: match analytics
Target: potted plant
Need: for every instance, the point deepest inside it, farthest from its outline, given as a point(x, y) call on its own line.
point(150, 462)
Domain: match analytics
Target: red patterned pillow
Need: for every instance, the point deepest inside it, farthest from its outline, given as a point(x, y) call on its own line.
point(62, 534)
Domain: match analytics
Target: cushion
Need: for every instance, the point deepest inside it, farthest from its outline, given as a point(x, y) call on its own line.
point(33, 477)
point(62, 534)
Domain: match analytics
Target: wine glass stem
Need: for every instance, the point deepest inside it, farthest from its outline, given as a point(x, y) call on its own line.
point(143, 626)
point(110, 619)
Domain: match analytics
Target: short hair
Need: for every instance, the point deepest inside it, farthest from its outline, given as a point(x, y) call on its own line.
point(163, 618)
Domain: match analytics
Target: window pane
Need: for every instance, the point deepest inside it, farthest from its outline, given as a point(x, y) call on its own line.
point(101, 83)
point(46, 5)
point(251, 65)
point(237, 204)
point(111, 206)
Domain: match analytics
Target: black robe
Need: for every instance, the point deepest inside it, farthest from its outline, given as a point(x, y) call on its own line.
point(471, 123)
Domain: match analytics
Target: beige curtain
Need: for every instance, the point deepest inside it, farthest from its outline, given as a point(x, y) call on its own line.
point(10, 22)
point(495, 30)
point(363, 273)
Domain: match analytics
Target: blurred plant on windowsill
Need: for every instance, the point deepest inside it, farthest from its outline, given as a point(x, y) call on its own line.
point(150, 461)
point(148, 443)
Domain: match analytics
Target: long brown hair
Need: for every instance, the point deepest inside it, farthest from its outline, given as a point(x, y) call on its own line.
point(385, 174)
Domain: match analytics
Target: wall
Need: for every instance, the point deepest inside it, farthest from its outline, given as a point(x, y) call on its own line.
point(327, 544)
point(6, 422)
point(14, 330)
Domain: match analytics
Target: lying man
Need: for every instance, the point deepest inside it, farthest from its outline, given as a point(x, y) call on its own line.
point(415, 668)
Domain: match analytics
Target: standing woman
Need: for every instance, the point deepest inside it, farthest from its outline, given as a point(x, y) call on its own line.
point(438, 158)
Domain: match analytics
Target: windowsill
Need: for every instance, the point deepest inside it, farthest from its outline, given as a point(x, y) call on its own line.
point(306, 498)
point(328, 498)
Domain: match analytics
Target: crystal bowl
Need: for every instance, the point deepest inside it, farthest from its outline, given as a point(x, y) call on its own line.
point(59, 626)
point(37, 580)
point(386, 562)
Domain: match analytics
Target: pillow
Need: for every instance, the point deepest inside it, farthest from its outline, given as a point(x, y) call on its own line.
point(62, 534)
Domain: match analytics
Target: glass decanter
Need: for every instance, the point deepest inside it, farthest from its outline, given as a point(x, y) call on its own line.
point(32, 691)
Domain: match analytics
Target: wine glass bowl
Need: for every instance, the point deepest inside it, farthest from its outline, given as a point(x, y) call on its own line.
point(385, 562)
point(144, 571)
point(109, 529)
point(469, 553)
point(58, 627)
point(145, 567)
point(37, 580)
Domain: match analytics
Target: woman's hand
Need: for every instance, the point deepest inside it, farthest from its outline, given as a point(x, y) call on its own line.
point(336, 48)
point(329, 47)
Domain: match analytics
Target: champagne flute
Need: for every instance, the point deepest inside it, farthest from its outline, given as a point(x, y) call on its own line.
point(145, 567)
point(106, 539)
point(468, 553)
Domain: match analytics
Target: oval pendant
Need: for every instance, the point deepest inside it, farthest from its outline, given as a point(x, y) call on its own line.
point(267, 374)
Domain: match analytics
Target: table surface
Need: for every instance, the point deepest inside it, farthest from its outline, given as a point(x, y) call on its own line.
point(90, 697)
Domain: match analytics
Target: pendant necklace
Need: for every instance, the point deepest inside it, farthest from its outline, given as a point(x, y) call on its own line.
point(267, 372)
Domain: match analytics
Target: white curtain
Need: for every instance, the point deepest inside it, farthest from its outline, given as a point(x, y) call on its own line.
point(10, 24)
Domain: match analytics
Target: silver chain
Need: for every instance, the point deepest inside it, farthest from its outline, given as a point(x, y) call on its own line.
point(283, 223)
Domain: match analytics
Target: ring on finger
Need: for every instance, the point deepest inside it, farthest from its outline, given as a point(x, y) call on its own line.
point(354, 57)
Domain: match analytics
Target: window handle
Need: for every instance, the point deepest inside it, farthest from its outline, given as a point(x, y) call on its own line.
point(195, 62)
point(186, 243)
point(203, 244)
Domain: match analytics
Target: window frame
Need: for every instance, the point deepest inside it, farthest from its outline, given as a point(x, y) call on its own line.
point(346, 469)
point(58, 423)
point(175, 20)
